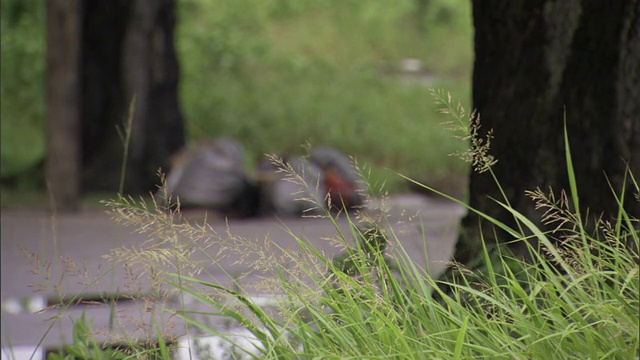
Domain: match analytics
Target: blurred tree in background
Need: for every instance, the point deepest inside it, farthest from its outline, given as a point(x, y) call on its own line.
point(128, 50)
point(100, 56)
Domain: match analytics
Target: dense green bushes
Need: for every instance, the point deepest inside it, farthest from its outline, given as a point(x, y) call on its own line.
point(277, 74)
point(22, 85)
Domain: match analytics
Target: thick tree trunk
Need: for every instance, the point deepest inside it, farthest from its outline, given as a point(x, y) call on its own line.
point(534, 59)
point(129, 53)
point(62, 167)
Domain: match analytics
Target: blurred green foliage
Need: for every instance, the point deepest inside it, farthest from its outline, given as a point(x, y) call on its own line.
point(277, 74)
point(280, 73)
point(22, 65)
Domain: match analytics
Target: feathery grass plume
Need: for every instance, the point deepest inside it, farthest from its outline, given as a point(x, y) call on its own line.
point(556, 209)
point(164, 250)
point(173, 240)
point(466, 126)
point(314, 207)
point(42, 268)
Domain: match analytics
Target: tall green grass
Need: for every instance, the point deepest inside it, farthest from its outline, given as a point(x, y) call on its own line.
point(577, 296)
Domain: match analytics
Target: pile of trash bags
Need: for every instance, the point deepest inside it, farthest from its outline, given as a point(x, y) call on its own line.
point(213, 175)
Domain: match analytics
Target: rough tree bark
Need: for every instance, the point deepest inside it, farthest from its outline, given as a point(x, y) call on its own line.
point(534, 59)
point(62, 166)
point(129, 51)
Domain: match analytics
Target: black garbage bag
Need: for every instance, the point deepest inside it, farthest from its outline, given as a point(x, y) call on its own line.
point(296, 191)
point(341, 179)
point(212, 175)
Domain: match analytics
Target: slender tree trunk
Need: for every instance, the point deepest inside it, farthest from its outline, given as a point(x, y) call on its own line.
point(534, 61)
point(62, 166)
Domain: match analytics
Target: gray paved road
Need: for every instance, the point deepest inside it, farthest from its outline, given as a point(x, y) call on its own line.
point(86, 237)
